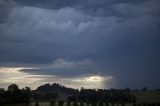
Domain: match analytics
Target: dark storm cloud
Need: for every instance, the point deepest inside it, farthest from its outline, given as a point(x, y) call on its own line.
point(120, 36)
point(5, 6)
point(104, 7)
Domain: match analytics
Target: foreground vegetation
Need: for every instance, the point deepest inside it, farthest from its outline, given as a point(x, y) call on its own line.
point(57, 95)
point(86, 104)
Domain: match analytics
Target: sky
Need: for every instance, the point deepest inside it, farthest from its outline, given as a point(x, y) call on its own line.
point(80, 43)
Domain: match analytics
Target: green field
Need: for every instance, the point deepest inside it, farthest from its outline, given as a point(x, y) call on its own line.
point(147, 96)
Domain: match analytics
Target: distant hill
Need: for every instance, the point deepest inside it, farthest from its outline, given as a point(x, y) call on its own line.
point(56, 88)
point(126, 95)
point(57, 91)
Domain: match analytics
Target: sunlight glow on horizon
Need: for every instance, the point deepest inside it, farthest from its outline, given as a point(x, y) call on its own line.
point(9, 75)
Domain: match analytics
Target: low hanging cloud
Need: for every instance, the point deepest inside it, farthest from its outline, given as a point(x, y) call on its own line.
point(119, 37)
point(34, 77)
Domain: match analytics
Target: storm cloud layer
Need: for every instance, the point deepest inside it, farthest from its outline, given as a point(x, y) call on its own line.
point(118, 38)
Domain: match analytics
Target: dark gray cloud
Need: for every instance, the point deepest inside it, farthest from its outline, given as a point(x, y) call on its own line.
point(5, 6)
point(121, 37)
point(119, 8)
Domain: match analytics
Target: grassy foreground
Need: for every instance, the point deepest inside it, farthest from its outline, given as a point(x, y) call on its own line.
point(65, 104)
point(147, 96)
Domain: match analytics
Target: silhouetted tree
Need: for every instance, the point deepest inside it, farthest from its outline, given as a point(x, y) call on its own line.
point(13, 88)
point(71, 98)
point(75, 104)
point(60, 103)
point(68, 103)
point(26, 95)
point(144, 104)
point(14, 94)
point(100, 104)
point(145, 89)
point(2, 97)
point(106, 104)
point(117, 104)
point(81, 104)
point(122, 104)
point(158, 104)
point(128, 89)
point(112, 104)
point(93, 104)
point(149, 104)
point(153, 104)
point(139, 104)
point(134, 104)
point(87, 103)
point(52, 103)
point(37, 104)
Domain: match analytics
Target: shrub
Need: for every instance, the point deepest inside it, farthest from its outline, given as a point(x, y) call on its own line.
point(100, 104)
point(68, 103)
point(52, 103)
point(36, 104)
point(87, 103)
point(158, 104)
point(112, 104)
point(60, 103)
point(106, 104)
point(153, 104)
point(93, 104)
point(75, 104)
point(139, 104)
point(134, 104)
point(149, 104)
point(81, 104)
point(144, 104)
point(122, 104)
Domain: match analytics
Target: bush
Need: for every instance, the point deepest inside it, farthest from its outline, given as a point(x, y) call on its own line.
point(153, 104)
point(100, 104)
point(112, 104)
point(68, 103)
point(52, 103)
point(81, 104)
point(144, 104)
point(158, 104)
point(36, 104)
point(93, 104)
point(60, 103)
point(134, 104)
point(122, 104)
point(139, 104)
point(106, 104)
point(75, 104)
point(88, 103)
point(149, 104)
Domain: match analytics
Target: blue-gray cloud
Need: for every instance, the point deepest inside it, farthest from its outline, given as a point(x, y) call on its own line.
point(120, 36)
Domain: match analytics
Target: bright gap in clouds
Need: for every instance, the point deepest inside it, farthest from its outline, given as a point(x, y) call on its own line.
point(9, 75)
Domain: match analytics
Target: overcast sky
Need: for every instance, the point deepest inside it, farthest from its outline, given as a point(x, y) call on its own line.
point(107, 43)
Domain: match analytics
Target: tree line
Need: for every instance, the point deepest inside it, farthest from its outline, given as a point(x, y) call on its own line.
point(55, 92)
point(14, 95)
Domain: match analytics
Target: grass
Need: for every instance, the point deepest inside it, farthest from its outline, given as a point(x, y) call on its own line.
point(147, 96)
